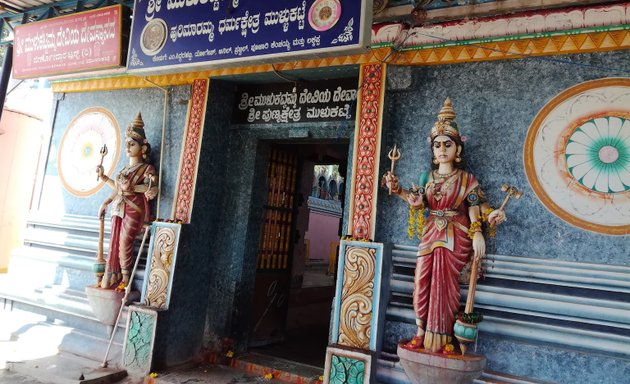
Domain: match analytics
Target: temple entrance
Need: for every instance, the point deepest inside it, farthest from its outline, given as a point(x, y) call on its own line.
point(297, 249)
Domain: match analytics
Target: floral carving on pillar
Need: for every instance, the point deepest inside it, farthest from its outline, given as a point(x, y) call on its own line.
point(190, 152)
point(161, 267)
point(356, 297)
point(366, 150)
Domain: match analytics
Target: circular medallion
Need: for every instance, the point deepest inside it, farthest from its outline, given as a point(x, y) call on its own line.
point(153, 37)
point(577, 156)
point(324, 14)
point(80, 150)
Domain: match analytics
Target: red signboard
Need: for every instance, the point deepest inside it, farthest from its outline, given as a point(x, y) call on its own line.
point(74, 43)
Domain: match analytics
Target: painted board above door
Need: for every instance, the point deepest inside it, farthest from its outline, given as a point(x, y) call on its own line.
point(179, 35)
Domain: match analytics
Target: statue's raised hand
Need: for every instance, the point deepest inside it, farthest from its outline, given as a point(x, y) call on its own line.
point(391, 182)
point(496, 217)
point(100, 171)
point(152, 190)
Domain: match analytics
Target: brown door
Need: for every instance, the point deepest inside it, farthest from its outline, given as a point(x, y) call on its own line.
point(273, 263)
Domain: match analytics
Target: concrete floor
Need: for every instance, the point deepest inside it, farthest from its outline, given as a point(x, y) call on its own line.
point(29, 355)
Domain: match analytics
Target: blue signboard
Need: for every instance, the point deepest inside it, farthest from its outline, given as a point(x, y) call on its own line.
point(177, 35)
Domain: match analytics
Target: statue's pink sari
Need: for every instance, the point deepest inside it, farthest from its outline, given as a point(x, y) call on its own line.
point(443, 252)
point(130, 210)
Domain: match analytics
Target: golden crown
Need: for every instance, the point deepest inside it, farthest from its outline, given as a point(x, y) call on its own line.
point(135, 130)
point(445, 124)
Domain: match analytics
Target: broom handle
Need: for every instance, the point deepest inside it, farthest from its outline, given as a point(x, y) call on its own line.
point(124, 299)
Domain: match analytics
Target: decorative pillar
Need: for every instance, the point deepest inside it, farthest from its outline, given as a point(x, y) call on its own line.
point(367, 148)
point(142, 320)
point(190, 152)
point(357, 313)
point(357, 308)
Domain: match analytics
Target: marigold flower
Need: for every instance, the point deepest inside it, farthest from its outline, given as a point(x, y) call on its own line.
point(268, 376)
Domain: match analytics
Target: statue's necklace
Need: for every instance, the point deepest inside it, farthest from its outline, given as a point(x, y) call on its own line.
point(442, 183)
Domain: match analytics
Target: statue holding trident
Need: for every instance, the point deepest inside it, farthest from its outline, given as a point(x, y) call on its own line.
point(133, 187)
point(455, 209)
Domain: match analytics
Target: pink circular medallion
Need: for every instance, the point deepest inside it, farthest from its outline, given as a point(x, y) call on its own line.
point(324, 14)
point(608, 154)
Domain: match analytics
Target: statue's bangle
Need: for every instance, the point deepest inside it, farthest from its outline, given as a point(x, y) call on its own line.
point(475, 227)
point(397, 190)
point(486, 213)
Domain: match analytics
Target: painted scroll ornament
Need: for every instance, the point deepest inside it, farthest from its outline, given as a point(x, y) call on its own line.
point(577, 156)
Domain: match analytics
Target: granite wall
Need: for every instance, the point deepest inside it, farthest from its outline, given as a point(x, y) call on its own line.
point(495, 103)
point(229, 203)
point(124, 105)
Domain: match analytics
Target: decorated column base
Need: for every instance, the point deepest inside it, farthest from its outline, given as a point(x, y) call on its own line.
point(347, 365)
point(423, 367)
point(138, 347)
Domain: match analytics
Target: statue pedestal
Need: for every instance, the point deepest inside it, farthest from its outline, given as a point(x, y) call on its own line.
point(423, 367)
point(105, 303)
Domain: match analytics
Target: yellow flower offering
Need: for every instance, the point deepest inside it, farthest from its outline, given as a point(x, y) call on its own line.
point(153, 375)
point(268, 376)
point(229, 354)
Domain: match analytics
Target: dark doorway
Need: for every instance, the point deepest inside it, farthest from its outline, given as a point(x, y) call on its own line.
point(297, 250)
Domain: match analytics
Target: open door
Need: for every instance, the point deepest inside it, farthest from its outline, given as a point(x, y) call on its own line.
point(273, 261)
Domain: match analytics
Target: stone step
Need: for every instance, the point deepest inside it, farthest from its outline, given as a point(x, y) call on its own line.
point(83, 336)
point(56, 267)
point(48, 275)
point(280, 369)
point(59, 304)
point(32, 336)
point(73, 223)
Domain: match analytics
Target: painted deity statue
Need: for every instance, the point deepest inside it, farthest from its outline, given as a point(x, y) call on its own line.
point(134, 185)
point(455, 208)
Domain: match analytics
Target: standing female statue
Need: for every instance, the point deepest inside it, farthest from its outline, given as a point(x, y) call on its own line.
point(456, 208)
point(133, 187)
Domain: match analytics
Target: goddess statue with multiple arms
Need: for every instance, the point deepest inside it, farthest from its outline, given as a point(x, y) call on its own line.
point(452, 231)
point(134, 185)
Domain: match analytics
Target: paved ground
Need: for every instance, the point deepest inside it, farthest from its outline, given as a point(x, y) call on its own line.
point(29, 355)
point(7, 377)
point(210, 374)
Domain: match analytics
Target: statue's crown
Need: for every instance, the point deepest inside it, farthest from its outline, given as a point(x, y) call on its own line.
point(135, 130)
point(445, 124)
